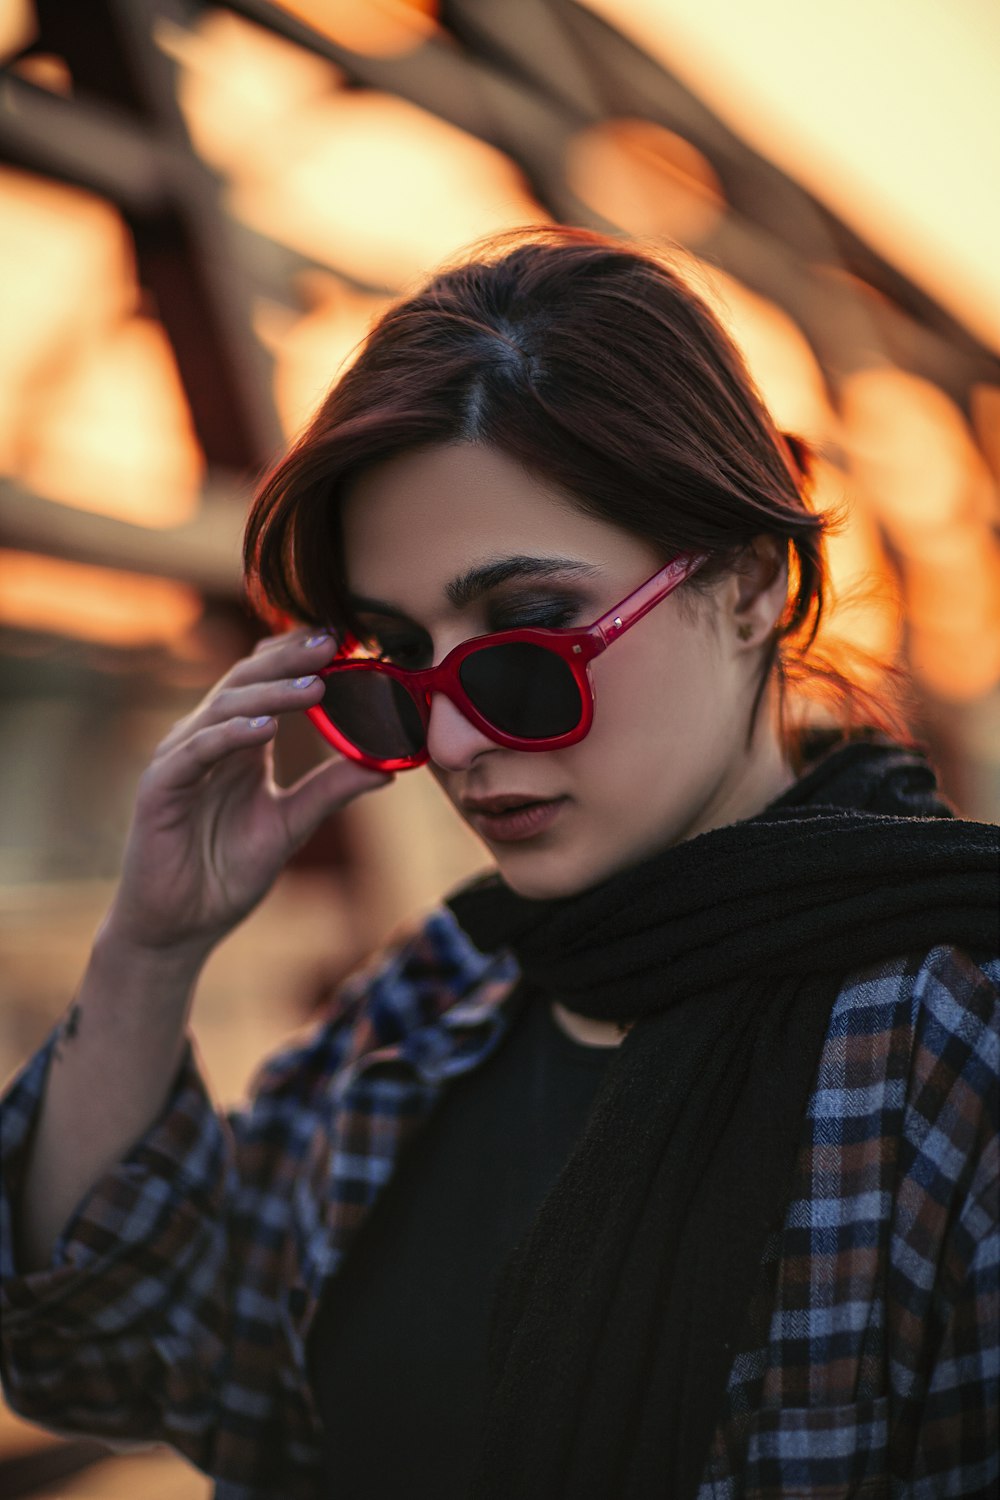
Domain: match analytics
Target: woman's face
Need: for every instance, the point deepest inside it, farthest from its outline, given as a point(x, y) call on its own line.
point(667, 756)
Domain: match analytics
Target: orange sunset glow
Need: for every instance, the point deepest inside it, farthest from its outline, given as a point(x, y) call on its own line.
point(886, 109)
point(204, 208)
point(321, 163)
point(94, 604)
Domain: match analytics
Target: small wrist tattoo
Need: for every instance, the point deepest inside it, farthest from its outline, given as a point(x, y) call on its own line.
point(68, 1027)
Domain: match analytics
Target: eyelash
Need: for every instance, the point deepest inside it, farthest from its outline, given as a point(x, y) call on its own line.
point(554, 616)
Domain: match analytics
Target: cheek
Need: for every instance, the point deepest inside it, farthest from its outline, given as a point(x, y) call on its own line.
point(661, 724)
point(664, 688)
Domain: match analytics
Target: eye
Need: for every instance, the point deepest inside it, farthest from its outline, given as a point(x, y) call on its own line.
point(402, 648)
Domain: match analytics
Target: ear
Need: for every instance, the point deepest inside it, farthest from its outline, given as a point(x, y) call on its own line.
point(758, 591)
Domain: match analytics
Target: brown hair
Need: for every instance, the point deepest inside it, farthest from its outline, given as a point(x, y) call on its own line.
point(594, 364)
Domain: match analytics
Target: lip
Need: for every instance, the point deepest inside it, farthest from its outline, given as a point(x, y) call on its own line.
point(511, 818)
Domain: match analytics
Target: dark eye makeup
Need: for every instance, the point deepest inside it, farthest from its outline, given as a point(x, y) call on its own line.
point(405, 644)
point(549, 614)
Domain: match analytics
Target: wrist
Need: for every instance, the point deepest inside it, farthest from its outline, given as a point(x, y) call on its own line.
point(166, 969)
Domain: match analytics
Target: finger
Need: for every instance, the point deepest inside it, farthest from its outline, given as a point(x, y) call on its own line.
point(322, 792)
point(281, 696)
point(293, 633)
point(286, 655)
point(188, 761)
point(292, 657)
point(284, 696)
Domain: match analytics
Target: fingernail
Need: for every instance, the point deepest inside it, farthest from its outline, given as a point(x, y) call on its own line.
point(259, 723)
point(318, 640)
point(304, 681)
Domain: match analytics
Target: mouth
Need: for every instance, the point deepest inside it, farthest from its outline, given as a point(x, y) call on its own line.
point(512, 817)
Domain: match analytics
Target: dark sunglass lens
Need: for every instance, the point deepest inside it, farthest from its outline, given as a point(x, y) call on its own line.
point(374, 712)
point(523, 689)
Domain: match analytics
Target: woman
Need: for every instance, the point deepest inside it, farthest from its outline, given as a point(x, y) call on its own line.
point(661, 1162)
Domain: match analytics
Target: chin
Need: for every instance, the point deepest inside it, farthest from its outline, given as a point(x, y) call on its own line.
point(542, 874)
point(541, 877)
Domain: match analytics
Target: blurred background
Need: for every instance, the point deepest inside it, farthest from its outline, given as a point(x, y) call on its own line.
point(202, 207)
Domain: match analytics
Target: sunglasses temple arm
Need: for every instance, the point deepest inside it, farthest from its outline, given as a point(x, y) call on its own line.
point(610, 626)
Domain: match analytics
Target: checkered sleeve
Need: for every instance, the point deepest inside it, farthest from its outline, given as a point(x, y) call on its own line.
point(945, 1276)
point(121, 1336)
point(873, 1346)
point(166, 1312)
point(161, 1315)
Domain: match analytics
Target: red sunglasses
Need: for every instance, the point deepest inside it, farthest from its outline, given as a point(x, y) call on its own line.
point(525, 689)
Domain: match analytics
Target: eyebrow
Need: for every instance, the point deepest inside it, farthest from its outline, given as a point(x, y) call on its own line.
point(470, 586)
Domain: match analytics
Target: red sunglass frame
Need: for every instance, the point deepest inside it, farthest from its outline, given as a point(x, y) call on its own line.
point(577, 647)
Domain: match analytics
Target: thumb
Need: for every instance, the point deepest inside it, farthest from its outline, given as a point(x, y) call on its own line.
point(323, 791)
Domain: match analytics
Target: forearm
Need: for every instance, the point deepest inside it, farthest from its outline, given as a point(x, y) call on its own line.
point(210, 834)
point(111, 1072)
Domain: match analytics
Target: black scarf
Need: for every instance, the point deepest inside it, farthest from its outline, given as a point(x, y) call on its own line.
point(619, 1314)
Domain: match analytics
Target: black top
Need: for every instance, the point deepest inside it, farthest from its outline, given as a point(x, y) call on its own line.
point(397, 1355)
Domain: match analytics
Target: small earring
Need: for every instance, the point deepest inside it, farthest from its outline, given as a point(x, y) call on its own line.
point(744, 631)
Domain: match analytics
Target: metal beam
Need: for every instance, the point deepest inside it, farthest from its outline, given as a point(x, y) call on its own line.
point(204, 552)
point(776, 237)
point(124, 138)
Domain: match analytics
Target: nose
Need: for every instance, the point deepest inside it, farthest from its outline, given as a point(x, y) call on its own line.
point(452, 742)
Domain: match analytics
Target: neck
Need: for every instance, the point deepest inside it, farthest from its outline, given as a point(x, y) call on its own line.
point(761, 775)
point(767, 774)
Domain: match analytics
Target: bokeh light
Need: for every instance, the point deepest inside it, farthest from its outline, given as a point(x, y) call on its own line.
point(92, 412)
point(886, 111)
point(199, 221)
point(645, 179)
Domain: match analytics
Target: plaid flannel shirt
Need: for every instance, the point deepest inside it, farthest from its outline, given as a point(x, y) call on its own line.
point(179, 1297)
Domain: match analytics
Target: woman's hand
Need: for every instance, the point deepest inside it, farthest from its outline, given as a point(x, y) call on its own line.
point(211, 831)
